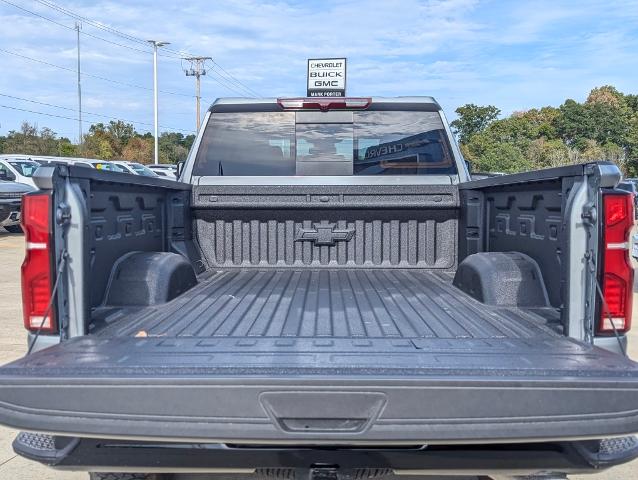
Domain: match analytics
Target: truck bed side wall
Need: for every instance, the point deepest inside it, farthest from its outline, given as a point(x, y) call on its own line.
point(125, 213)
point(532, 213)
point(526, 218)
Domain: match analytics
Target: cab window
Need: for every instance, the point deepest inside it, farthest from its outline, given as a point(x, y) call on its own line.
point(373, 143)
point(25, 168)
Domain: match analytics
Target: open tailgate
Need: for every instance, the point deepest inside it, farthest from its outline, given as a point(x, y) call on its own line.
point(346, 391)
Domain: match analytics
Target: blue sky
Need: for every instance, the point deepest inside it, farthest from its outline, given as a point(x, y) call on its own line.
point(515, 55)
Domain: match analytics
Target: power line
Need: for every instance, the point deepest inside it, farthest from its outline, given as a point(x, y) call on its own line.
point(132, 85)
point(93, 23)
point(224, 84)
point(87, 113)
point(72, 28)
point(223, 81)
point(36, 14)
point(175, 54)
point(246, 87)
point(39, 113)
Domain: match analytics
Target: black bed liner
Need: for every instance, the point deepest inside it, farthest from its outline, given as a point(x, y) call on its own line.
point(313, 303)
point(244, 357)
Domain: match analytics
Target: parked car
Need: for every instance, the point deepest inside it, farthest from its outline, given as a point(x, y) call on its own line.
point(630, 185)
point(326, 295)
point(85, 162)
point(165, 170)
point(18, 168)
point(134, 168)
point(10, 200)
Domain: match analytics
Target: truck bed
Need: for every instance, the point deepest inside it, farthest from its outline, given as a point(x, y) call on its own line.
point(320, 303)
point(367, 356)
point(324, 315)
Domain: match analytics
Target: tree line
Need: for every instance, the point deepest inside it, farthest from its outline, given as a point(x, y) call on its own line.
point(116, 140)
point(604, 127)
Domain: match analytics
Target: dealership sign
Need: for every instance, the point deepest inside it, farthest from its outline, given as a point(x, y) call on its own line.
point(326, 77)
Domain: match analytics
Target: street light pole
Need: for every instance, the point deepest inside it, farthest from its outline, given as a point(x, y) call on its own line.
point(156, 44)
point(77, 29)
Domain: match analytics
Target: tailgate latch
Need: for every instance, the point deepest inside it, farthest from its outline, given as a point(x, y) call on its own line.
point(63, 214)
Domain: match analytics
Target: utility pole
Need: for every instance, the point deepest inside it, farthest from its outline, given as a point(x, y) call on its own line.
point(196, 70)
point(78, 25)
point(156, 44)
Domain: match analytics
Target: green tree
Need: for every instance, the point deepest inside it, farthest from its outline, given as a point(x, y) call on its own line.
point(483, 149)
point(67, 149)
point(30, 140)
point(604, 127)
point(606, 95)
point(172, 147)
point(99, 143)
point(489, 155)
point(632, 102)
point(632, 144)
point(575, 124)
point(610, 123)
point(121, 131)
point(542, 122)
point(115, 140)
point(138, 149)
point(473, 119)
point(107, 142)
point(543, 153)
point(604, 118)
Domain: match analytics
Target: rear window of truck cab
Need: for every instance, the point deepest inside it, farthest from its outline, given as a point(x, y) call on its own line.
point(278, 144)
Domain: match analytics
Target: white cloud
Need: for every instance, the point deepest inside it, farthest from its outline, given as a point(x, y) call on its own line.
point(512, 54)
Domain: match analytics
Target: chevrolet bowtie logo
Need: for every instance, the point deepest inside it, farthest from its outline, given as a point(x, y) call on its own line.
point(324, 234)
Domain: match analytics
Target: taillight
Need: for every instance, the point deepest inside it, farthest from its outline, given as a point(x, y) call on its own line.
point(617, 273)
point(324, 103)
point(37, 270)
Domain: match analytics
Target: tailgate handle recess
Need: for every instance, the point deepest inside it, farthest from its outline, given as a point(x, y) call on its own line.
point(308, 411)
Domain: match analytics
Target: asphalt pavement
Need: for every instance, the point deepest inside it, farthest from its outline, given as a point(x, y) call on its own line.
point(13, 346)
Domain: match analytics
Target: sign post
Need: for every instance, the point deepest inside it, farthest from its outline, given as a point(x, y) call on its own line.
point(326, 77)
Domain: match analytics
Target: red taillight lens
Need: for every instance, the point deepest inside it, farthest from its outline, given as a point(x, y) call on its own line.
point(617, 273)
point(324, 103)
point(37, 275)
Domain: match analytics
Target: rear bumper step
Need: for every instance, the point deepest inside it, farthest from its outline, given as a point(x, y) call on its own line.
point(290, 462)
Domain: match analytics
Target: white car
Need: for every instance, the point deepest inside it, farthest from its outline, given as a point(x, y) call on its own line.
point(18, 168)
point(83, 162)
point(134, 168)
point(165, 170)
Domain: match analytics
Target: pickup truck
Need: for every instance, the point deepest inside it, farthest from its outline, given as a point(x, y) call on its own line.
point(10, 200)
point(326, 294)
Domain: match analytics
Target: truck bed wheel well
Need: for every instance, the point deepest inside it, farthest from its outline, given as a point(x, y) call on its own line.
point(502, 278)
point(148, 278)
